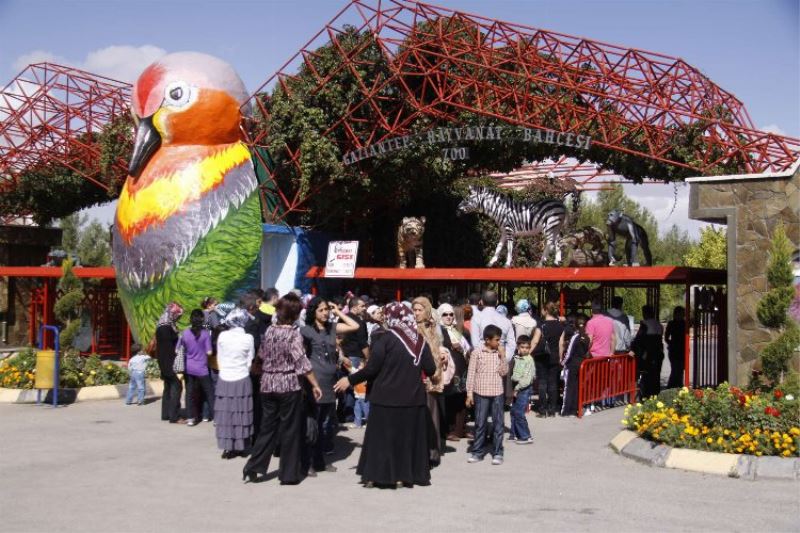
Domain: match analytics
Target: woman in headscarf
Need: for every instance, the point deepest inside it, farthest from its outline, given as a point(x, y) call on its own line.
point(166, 340)
point(455, 392)
point(428, 328)
point(395, 451)
point(233, 404)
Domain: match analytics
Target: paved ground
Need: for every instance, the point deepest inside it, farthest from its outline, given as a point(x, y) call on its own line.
point(102, 466)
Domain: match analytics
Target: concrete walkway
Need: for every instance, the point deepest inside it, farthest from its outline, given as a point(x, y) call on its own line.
point(103, 466)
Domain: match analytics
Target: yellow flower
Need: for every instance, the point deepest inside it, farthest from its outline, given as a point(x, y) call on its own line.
point(660, 405)
point(795, 431)
point(786, 453)
point(709, 440)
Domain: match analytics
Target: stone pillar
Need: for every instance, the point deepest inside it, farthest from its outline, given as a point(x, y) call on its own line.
point(751, 207)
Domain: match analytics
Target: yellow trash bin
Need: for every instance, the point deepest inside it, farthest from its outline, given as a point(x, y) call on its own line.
point(45, 367)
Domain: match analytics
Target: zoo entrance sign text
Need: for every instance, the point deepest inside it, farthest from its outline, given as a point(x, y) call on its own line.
point(468, 133)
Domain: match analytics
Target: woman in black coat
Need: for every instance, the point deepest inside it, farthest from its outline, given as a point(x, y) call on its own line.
point(166, 339)
point(395, 448)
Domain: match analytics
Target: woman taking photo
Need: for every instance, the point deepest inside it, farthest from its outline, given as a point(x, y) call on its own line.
point(283, 362)
point(166, 341)
point(395, 450)
point(233, 403)
point(319, 338)
point(546, 357)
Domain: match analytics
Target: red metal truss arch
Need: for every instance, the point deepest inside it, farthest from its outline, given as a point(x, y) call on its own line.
point(50, 114)
point(625, 93)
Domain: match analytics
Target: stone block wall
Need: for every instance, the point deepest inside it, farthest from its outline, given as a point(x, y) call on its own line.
point(751, 208)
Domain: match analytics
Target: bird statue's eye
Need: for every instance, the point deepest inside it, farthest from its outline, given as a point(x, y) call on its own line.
point(177, 94)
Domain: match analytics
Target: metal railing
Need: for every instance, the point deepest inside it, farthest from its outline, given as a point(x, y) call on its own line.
point(604, 378)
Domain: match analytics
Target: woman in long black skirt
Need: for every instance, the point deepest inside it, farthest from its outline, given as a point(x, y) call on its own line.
point(395, 448)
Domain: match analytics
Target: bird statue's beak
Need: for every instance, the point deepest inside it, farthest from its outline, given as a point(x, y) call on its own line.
point(147, 142)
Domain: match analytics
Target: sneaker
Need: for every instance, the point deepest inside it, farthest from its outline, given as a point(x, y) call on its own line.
point(191, 422)
point(474, 459)
point(497, 460)
point(529, 440)
point(206, 419)
point(128, 403)
point(330, 468)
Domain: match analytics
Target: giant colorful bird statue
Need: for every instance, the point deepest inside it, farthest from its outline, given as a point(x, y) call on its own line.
point(188, 221)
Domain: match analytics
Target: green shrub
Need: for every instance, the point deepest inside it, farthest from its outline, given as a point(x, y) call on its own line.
point(773, 310)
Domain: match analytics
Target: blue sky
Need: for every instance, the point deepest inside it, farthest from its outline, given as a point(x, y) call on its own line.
point(748, 47)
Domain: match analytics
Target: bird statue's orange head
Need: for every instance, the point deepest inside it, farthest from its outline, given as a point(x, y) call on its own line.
point(186, 98)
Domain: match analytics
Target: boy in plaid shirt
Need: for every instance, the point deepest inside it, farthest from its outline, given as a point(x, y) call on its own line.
point(487, 368)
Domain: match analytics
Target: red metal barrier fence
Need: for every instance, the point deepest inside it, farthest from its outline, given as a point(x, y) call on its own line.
point(602, 378)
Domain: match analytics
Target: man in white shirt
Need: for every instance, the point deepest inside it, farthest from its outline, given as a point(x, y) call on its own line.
point(523, 322)
point(489, 315)
point(622, 330)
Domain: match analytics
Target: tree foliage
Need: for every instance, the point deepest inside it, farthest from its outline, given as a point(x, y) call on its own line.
point(773, 309)
point(67, 308)
point(307, 141)
point(88, 240)
point(711, 251)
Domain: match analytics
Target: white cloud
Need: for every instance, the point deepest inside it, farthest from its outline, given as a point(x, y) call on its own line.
point(36, 56)
point(773, 128)
point(123, 63)
point(120, 62)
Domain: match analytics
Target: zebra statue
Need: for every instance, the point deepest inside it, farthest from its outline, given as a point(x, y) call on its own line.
point(516, 219)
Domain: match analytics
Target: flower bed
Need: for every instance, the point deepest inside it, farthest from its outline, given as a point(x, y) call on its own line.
point(19, 371)
point(724, 419)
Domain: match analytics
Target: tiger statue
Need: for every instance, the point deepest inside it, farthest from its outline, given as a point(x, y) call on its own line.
point(409, 241)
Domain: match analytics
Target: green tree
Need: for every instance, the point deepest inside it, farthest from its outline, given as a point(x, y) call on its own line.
point(67, 308)
point(773, 309)
point(94, 248)
point(711, 251)
point(89, 240)
point(71, 232)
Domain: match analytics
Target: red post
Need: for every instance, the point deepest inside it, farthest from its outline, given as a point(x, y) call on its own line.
point(127, 348)
point(562, 301)
point(687, 341)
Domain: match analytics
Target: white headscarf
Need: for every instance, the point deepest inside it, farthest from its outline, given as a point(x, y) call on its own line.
point(452, 330)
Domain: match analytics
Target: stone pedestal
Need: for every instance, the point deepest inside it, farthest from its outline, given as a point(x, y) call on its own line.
point(751, 207)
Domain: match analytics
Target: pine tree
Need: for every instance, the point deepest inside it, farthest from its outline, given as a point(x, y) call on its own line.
point(773, 309)
point(68, 307)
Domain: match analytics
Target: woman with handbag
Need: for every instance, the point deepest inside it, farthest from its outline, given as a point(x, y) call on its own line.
point(166, 342)
point(283, 361)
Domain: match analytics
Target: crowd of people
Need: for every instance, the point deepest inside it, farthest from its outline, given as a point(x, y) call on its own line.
point(278, 376)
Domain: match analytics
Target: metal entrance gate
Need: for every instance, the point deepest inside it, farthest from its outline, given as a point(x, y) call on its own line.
point(710, 343)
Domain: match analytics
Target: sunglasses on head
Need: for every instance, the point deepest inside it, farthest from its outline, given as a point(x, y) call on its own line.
point(448, 314)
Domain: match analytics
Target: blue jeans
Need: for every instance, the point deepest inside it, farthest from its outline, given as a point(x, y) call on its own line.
point(136, 384)
point(360, 411)
point(486, 406)
point(519, 424)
